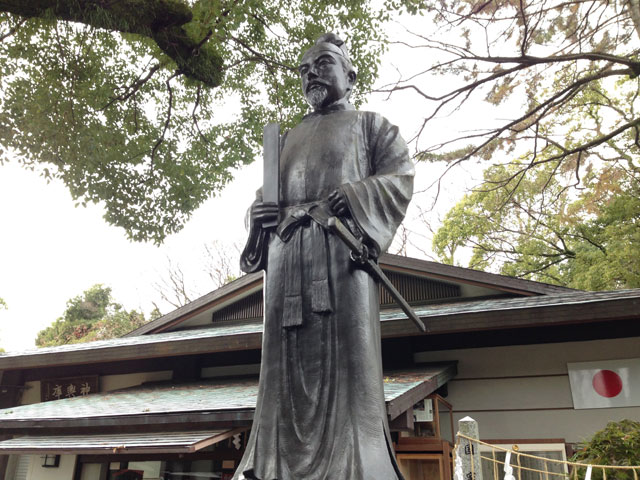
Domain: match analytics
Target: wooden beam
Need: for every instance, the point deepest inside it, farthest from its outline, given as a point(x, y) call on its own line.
point(407, 400)
point(402, 423)
point(217, 454)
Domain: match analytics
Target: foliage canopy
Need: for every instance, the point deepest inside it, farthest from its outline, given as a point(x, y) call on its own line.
point(91, 316)
point(128, 103)
point(541, 232)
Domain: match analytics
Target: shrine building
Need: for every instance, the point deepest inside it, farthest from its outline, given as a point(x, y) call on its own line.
point(175, 398)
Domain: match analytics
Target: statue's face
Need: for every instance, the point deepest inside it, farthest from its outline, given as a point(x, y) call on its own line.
point(324, 79)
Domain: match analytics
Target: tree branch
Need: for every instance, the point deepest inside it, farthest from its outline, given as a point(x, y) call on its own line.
point(160, 20)
point(167, 120)
point(134, 87)
point(13, 30)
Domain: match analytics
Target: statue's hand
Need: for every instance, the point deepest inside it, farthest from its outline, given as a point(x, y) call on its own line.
point(338, 203)
point(263, 212)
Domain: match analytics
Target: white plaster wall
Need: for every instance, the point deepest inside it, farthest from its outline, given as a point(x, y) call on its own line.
point(31, 393)
point(115, 382)
point(520, 392)
point(571, 425)
point(63, 472)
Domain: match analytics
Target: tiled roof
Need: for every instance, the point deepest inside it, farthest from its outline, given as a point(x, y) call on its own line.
point(206, 395)
point(507, 304)
point(219, 330)
point(575, 307)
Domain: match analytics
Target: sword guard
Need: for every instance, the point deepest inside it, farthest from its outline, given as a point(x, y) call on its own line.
point(362, 257)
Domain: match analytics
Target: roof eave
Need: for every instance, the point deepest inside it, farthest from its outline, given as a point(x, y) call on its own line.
point(599, 308)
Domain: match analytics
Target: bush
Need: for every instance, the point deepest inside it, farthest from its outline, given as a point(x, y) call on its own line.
point(617, 444)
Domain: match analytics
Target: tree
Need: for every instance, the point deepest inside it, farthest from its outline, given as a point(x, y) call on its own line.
point(3, 304)
point(572, 67)
point(543, 233)
point(617, 444)
point(91, 316)
point(148, 105)
point(557, 58)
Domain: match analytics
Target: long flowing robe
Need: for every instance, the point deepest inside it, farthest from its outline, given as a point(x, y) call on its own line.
point(321, 413)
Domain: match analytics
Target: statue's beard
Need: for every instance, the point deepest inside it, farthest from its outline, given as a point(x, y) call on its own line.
point(317, 95)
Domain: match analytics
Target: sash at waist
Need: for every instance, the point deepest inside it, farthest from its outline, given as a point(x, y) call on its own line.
point(300, 215)
point(306, 254)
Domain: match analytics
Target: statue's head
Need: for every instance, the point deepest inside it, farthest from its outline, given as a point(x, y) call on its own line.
point(326, 72)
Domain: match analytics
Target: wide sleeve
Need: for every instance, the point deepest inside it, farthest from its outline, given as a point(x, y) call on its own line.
point(379, 202)
point(254, 255)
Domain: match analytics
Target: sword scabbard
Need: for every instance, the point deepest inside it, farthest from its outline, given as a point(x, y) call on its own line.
point(358, 249)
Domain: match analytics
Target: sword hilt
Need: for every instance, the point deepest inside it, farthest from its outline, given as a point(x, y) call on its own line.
point(362, 257)
point(358, 249)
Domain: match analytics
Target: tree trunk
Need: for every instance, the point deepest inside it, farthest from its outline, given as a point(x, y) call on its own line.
point(160, 20)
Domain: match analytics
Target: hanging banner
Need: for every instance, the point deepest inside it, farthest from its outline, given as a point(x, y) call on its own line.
point(605, 384)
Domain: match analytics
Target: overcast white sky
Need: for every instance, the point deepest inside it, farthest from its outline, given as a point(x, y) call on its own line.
point(51, 251)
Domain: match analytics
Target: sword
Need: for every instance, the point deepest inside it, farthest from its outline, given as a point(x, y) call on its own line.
point(360, 254)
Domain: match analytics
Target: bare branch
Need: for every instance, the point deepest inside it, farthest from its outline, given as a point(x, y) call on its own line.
point(261, 56)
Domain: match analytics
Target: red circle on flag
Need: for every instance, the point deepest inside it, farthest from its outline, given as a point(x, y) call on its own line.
point(607, 383)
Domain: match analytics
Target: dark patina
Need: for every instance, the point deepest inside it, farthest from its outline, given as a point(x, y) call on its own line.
point(320, 413)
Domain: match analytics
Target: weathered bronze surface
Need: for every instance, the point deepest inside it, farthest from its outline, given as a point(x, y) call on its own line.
point(320, 413)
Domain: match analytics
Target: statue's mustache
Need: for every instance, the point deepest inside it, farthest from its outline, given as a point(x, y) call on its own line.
point(316, 83)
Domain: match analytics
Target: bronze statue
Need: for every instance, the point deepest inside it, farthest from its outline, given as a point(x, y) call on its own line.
point(321, 412)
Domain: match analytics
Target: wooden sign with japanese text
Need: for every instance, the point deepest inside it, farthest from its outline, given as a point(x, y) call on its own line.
point(58, 388)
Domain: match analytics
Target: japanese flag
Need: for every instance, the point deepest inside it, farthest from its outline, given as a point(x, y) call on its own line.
point(605, 384)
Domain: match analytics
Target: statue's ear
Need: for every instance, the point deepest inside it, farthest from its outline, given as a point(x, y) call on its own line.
point(352, 77)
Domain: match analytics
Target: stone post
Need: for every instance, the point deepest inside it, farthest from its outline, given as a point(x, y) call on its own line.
point(467, 465)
